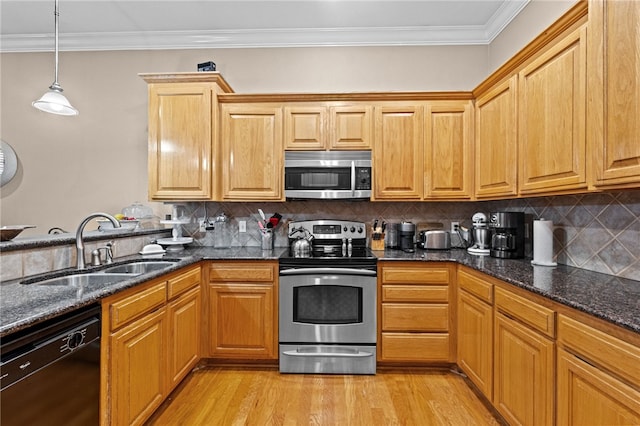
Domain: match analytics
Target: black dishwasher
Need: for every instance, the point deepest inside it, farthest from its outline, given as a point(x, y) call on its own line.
point(50, 373)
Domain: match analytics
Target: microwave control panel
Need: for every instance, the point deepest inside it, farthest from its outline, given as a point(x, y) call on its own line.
point(363, 178)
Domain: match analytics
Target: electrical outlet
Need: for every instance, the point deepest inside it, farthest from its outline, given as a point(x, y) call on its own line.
point(242, 226)
point(455, 226)
point(203, 225)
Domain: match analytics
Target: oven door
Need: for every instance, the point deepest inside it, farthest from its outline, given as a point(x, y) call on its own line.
point(327, 306)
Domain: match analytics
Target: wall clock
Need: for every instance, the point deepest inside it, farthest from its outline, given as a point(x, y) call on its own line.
point(8, 163)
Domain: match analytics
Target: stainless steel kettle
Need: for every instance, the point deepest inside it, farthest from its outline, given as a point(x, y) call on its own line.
point(301, 247)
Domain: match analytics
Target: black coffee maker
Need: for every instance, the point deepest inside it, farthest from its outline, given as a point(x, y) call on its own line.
point(507, 240)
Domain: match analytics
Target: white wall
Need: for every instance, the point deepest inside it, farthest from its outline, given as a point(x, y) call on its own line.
point(532, 21)
point(97, 161)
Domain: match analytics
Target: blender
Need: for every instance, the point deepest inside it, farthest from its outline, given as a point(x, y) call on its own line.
point(481, 235)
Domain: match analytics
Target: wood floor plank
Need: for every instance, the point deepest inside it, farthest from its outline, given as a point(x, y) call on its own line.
point(252, 396)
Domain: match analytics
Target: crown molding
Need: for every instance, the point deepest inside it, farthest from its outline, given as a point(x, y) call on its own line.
point(286, 37)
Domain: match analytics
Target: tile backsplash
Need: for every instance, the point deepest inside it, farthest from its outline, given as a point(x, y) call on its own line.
point(21, 263)
point(599, 232)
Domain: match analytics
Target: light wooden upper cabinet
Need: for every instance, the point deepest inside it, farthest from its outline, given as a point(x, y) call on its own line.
point(350, 127)
point(496, 142)
point(551, 126)
point(614, 98)
point(320, 127)
point(251, 152)
point(305, 127)
point(180, 143)
point(398, 152)
point(448, 150)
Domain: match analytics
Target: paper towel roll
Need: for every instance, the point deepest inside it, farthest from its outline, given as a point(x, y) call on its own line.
point(543, 243)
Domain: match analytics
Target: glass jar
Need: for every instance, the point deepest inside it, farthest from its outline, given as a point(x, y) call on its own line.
point(222, 231)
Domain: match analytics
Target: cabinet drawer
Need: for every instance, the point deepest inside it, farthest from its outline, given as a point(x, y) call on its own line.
point(415, 347)
point(534, 315)
point(241, 272)
point(603, 349)
point(476, 286)
point(183, 282)
point(137, 304)
point(415, 293)
point(415, 317)
point(415, 275)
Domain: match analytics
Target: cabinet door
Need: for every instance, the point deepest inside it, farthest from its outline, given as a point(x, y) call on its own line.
point(138, 366)
point(551, 128)
point(180, 131)
point(184, 337)
point(305, 127)
point(523, 374)
point(614, 84)
point(242, 321)
point(251, 152)
point(496, 142)
point(589, 396)
point(397, 153)
point(448, 161)
point(350, 127)
point(475, 341)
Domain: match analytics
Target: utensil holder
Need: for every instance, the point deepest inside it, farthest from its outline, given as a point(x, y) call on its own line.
point(266, 239)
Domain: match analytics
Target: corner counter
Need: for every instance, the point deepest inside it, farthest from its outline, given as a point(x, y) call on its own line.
point(608, 297)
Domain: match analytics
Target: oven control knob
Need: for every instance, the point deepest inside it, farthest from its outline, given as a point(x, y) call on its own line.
point(353, 229)
point(345, 229)
point(360, 230)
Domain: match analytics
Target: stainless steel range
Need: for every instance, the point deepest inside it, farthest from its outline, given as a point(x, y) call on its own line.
point(327, 301)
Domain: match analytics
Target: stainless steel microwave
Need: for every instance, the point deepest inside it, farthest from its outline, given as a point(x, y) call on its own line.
point(327, 174)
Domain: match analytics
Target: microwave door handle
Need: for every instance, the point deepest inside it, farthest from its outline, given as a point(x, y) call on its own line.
point(353, 178)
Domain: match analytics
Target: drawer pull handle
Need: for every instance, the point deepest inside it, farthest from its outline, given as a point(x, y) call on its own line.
point(329, 354)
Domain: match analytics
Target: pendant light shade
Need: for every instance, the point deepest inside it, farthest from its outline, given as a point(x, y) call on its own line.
point(53, 101)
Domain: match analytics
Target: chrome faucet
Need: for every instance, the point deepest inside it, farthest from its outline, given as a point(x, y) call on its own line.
point(80, 243)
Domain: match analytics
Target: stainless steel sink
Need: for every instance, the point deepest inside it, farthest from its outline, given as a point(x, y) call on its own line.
point(84, 280)
point(137, 268)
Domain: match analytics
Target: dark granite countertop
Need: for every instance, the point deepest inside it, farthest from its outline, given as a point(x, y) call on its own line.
point(23, 305)
point(613, 299)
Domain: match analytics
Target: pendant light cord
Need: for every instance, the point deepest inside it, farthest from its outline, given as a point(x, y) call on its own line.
point(56, 14)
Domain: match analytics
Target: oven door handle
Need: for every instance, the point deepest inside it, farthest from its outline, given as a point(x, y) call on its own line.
point(315, 271)
point(329, 354)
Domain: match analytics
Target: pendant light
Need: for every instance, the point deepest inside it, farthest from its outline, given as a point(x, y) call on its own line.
point(54, 101)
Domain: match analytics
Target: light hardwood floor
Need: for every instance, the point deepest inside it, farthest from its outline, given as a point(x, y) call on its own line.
point(249, 396)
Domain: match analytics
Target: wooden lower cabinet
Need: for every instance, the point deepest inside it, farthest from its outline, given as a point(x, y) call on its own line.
point(598, 374)
point(242, 321)
point(151, 341)
point(589, 396)
point(414, 318)
point(243, 312)
point(475, 341)
point(475, 328)
point(138, 366)
point(184, 340)
point(523, 373)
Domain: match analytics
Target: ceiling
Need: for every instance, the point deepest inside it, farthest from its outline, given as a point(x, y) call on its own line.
point(28, 25)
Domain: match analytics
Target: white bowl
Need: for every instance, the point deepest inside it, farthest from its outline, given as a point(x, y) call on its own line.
point(106, 225)
point(152, 249)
